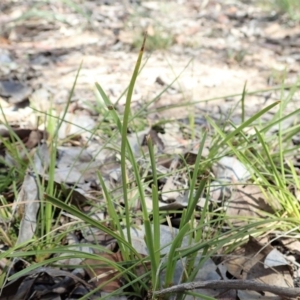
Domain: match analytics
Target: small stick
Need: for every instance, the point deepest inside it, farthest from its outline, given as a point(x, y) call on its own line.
point(232, 284)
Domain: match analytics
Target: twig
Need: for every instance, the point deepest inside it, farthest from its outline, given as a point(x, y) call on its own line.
point(232, 284)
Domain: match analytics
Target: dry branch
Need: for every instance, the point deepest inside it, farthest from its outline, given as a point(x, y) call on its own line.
point(232, 284)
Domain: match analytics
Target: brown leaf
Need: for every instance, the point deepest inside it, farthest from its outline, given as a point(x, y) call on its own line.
point(101, 271)
point(34, 138)
point(248, 263)
point(291, 244)
point(156, 140)
point(248, 201)
point(29, 195)
point(31, 138)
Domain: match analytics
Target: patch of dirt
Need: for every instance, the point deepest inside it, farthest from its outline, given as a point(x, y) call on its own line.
point(220, 45)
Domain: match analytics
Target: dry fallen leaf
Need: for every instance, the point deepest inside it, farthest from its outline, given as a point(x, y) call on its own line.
point(275, 259)
point(230, 169)
point(29, 197)
point(101, 271)
point(247, 202)
point(248, 263)
point(291, 244)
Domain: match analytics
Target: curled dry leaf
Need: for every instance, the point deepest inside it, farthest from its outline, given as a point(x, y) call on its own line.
point(29, 195)
point(31, 138)
point(156, 140)
point(248, 263)
point(248, 202)
point(101, 271)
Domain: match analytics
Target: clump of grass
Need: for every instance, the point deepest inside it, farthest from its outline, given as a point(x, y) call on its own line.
point(158, 40)
point(204, 233)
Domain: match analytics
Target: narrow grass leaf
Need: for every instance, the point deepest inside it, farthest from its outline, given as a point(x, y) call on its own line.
point(124, 141)
point(155, 204)
point(243, 102)
point(171, 260)
point(273, 167)
point(115, 223)
point(193, 199)
point(75, 212)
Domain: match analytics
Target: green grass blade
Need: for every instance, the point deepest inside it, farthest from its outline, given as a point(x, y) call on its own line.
point(243, 102)
point(124, 141)
point(171, 262)
point(115, 223)
point(155, 259)
point(193, 200)
point(77, 213)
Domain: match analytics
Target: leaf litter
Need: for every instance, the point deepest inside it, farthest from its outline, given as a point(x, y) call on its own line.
point(43, 80)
